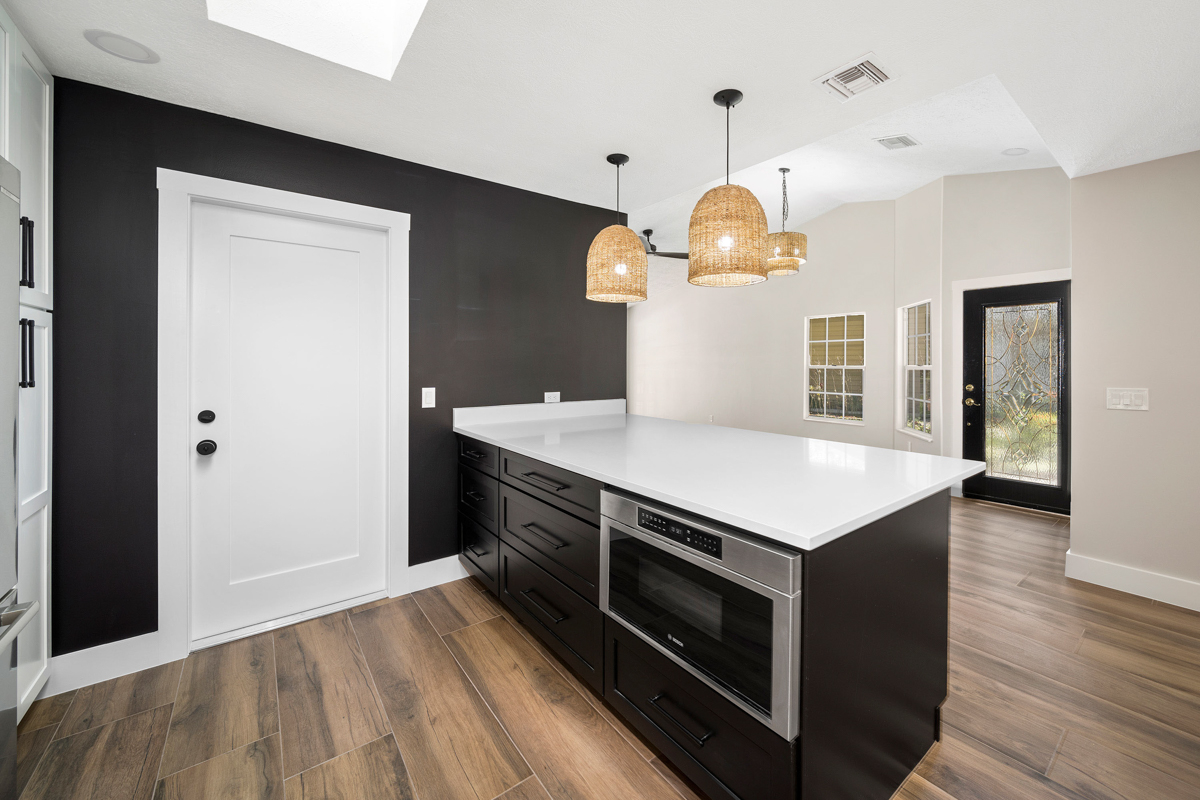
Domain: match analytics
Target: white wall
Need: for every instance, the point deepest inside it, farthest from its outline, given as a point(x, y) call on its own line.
point(1136, 276)
point(737, 355)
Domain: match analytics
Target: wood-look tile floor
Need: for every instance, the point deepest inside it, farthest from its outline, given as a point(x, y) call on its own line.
point(1058, 689)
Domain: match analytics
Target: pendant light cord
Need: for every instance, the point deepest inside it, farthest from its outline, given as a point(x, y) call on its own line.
point(728, 107)
point(785, 203)
point(618, 194)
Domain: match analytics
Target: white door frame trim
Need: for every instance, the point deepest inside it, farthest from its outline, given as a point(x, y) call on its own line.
point(177, 191)
point(956, 338)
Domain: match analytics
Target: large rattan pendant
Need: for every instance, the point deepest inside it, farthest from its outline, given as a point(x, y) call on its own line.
point(727, 236)
point(616, 261)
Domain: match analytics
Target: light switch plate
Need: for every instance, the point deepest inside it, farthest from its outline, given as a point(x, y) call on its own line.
point(428, 397)
point(552, 397)
point(1128, 399)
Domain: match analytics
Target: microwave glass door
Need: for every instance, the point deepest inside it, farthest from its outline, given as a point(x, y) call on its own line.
point(719, 627)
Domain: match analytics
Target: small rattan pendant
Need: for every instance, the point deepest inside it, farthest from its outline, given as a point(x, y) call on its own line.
point(616, 261)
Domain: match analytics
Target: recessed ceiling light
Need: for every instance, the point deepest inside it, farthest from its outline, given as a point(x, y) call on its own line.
point(121, 46)
point(367, 35)
point(1014, 151)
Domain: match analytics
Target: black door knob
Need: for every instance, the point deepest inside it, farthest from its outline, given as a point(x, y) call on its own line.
point(206, 416)
point(206, 447)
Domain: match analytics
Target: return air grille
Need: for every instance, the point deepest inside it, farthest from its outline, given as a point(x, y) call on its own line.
point(854, 78)
point(897, 142)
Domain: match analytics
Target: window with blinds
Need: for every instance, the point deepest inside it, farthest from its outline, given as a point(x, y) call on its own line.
point(836, 356)
point(917, 355)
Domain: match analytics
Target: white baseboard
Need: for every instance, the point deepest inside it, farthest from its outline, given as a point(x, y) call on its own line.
point(1144, 583)
point(108, 661)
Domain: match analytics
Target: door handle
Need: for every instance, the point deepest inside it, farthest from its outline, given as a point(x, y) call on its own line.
point(554, 616)
point(476, 551)
point(658, 702)
point(544, 481)
point(970, 401)
point(474, 454)
point(26, 252)
point(29, 338)
point(24, 382)
point(206, 447)
point(553, 541)
point(476, 496)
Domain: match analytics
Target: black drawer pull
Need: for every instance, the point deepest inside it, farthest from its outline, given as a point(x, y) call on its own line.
point(475, 455)
point(476, 496)
point(534, 477)
point(554, 616)
point(659, 700)
point(553, 541)
point(476, 551)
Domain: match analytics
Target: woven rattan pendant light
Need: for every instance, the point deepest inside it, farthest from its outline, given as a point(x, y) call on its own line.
point(727, 236)
point(786, 250)
point(616, 261)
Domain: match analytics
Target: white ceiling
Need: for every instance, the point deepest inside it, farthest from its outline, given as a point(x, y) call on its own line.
point(962, 131)
point(534, 93)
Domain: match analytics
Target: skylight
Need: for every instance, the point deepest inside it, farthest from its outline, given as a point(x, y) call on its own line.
point(366, 35)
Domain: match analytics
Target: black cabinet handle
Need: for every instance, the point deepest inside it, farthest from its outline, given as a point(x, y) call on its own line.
point(24, 382)
point(554, 616)
point(553, 541)
point(27, 252)
point(475, 455)
point(534, 477)
point(659, 700)
point(476, 551)
point(476, 496)
point(29, 337)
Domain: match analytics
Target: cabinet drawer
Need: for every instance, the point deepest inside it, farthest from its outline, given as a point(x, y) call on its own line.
point(725, 751)
point(480, 455)
point(572, 493)
point(480, 552)
point(566, 547)
point(479, 497)
point(569, 625)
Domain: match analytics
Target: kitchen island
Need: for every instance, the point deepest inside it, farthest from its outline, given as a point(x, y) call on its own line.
point(769, 611)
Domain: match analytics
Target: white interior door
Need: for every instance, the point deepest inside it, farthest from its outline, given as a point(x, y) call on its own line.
point(289, 351)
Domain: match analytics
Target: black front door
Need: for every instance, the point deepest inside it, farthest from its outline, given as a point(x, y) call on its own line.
point(1016, 405)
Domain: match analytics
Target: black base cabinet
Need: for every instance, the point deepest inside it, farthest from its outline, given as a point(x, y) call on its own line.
point(725, 751)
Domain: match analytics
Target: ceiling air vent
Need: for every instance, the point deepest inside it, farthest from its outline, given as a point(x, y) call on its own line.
point(854, 78)
point(898, 142)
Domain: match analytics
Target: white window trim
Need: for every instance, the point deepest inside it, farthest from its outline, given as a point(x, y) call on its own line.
point(902, 369)
point(853, 423)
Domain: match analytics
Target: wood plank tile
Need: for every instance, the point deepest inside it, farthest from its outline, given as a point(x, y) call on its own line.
point(455, 605)
point(1095, 771)
point(31, 746)
point(1130, 655)
point(452, 744)
point(1020, 735)
point(116, 761)
point(327, 700)
point(226, 700)
point(966, 610)
point(528, 789)
point(1169, 706)
point(917, 788)
point(374, 771)
point(383, 601)
point(572, 749)
point(1161, 746)
point(1125, 605)
point(969, 771)
point(478, 584)
point(47, 711)
point(681, 785)
point(111, 700)
point(644, 749)
point(251, 772)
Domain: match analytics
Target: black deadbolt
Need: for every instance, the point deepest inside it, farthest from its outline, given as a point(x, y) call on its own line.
point(206, 416)
point(206, 447)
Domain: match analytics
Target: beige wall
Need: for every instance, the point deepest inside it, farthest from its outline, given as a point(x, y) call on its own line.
point(736, 355)
point(1136, 278)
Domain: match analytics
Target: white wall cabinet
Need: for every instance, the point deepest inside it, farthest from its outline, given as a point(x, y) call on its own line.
point(26, 140)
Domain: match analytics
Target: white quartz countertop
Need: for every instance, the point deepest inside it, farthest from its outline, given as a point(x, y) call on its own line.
point(799, 492)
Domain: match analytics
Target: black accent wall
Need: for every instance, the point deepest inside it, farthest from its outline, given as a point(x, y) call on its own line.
point(498, 315)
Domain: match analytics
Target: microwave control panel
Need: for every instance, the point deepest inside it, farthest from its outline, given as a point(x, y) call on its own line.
point(697, 540)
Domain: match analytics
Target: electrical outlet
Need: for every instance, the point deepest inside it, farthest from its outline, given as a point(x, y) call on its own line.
point(428, 397)
point(1128, 399)
point(551, 397)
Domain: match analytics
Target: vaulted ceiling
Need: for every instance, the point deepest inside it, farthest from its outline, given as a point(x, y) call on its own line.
point(535, 93)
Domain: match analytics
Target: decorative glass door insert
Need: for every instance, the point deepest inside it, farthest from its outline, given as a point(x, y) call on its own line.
point(1021, 391)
